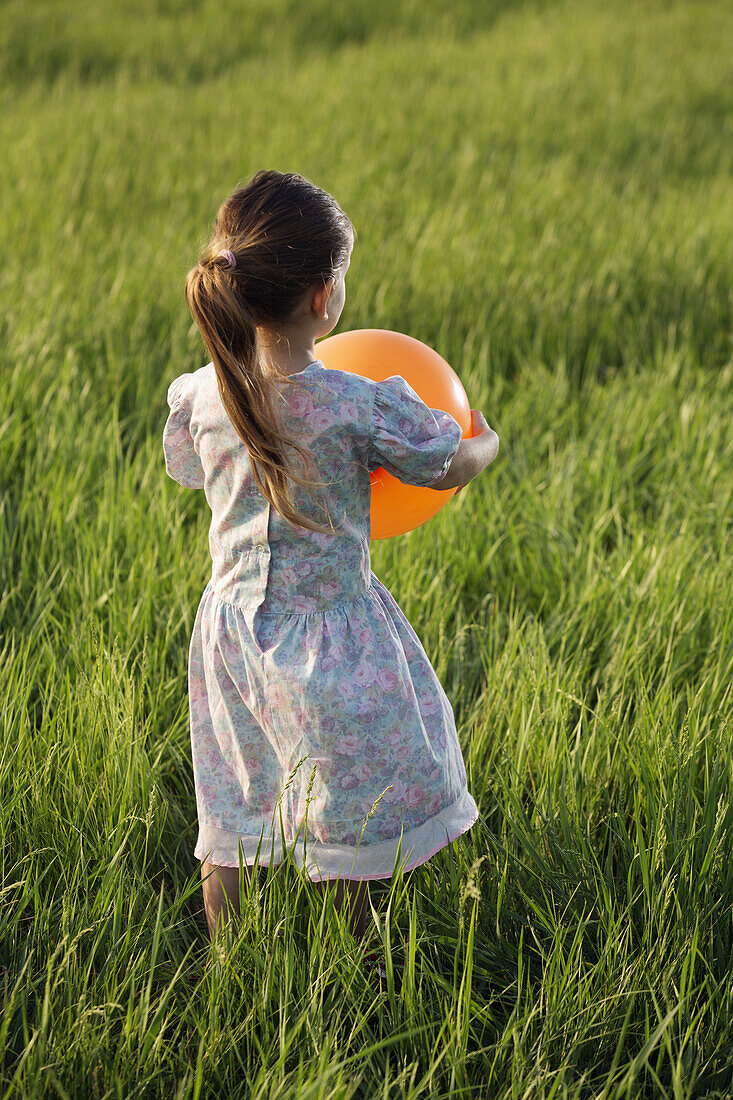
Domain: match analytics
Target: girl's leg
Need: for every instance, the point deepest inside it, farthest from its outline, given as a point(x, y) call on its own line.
point(221, 892)
point(357, 892)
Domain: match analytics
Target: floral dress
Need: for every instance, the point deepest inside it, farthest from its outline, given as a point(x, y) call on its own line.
point(310, 694)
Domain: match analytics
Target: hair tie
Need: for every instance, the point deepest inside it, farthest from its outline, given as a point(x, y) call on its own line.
point(230, 258)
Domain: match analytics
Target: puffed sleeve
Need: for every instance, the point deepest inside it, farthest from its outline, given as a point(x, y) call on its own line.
point(182, 463)
point(413, 442)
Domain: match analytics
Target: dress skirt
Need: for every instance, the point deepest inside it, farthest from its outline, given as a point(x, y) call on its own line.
point(327, 734)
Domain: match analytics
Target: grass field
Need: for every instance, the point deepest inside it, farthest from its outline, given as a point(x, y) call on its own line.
point(542, 192)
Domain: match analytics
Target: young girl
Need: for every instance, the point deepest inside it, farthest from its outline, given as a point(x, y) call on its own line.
point(298, 650)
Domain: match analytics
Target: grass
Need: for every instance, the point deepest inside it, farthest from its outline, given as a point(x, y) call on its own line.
point(541, 192)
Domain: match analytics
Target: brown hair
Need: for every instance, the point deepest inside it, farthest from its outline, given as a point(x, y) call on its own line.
point(287, 235)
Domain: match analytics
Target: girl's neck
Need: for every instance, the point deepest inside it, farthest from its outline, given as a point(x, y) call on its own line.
point(289, 355)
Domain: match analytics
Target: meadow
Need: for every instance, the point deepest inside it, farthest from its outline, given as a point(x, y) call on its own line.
point(542, 192)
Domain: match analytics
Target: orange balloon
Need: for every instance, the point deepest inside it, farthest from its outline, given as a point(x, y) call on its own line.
point(378, 353)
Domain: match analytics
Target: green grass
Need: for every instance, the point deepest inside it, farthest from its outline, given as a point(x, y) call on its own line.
point(541, 192)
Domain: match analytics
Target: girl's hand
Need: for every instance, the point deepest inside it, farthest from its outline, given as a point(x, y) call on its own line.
point(479, 426)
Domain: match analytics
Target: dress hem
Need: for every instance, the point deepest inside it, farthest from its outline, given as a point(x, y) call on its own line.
point(325, 862)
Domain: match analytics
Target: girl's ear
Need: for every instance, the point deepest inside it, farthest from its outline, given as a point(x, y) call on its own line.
point(320, 298)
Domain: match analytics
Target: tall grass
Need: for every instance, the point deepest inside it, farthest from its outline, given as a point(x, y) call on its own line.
point(541, 192)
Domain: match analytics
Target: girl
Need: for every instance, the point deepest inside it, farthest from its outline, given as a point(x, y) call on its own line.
point(298, 651)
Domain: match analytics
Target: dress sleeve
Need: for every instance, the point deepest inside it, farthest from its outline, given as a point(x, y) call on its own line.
point(182, 463)
point(411, 441)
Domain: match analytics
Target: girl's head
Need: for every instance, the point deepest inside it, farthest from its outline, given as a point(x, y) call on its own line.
point(289, 239)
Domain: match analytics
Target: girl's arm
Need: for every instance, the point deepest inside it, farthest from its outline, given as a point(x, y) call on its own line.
point(182, 461)
point(473, 455)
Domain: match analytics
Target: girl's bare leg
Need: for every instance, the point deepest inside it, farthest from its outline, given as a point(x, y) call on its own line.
point(221, 892)
point(357, 891)
point(221, 895)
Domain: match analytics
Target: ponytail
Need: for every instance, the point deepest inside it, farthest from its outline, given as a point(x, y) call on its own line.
point(247, 385)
